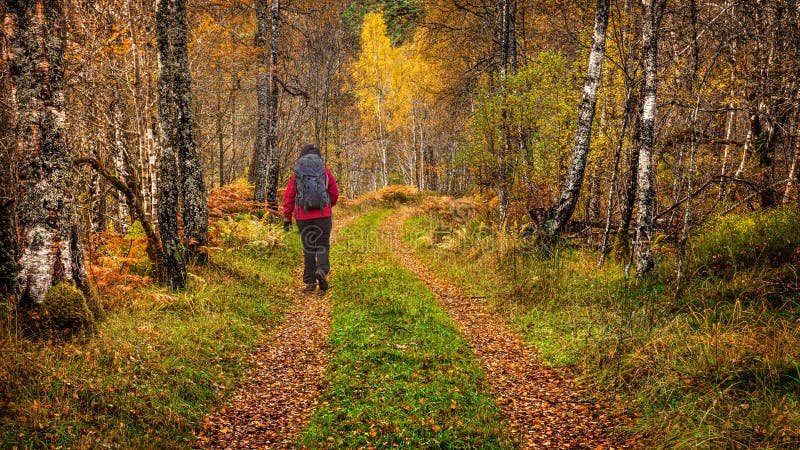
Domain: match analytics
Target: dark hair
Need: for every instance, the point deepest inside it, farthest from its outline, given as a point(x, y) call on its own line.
point(310, 149)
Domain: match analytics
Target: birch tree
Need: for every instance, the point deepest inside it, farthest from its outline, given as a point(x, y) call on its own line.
point(261, 156)
point(50, 251)
point(8, 150)
point(267, 143)
point(272, 131)
point(508, 63)
point(645, 200)
point(562, 210)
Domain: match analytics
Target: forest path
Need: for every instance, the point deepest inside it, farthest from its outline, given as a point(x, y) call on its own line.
point(542, 403)
point(282, 385)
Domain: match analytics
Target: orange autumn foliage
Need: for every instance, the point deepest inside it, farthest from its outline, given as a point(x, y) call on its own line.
point(234, 199)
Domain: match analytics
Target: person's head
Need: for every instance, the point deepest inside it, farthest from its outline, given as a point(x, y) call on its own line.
point(310, 149)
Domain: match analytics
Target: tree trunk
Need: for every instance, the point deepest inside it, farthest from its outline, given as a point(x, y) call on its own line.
point(49, 247)
point(508, 63)
point(168, 191)
point(643, 248)
point(614, 176)
point(194, 211)
point(122, 167)
point(621, 246)
point(560, 213)
point(220, 136)
point(260, 160)
point(8, 154)
point(726, 152)
point(792, 178)
point(146, 157)
point(272, 107)
point(687, 214)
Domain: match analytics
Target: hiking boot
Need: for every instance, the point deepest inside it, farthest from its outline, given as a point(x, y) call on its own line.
point(311, 287)
point(322, 280)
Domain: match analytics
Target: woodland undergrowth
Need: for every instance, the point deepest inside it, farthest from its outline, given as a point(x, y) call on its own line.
point(714, 367)
point(157, 362)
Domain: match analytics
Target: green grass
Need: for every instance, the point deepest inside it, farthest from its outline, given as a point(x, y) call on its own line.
point(759, 238)
point(400, 374)
point(153, 368)
point(717, 367)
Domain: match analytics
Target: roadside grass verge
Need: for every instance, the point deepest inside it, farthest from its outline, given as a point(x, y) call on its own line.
point(717, 367)
point(400, 374)
point(154, 366)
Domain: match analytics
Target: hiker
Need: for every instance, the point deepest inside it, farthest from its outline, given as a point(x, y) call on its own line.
point(310, 195)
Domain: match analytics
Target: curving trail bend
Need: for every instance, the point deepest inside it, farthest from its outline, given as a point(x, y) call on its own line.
point(542, 403)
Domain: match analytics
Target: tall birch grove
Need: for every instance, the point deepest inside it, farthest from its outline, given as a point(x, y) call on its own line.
point(575, 120)
point(601, 196)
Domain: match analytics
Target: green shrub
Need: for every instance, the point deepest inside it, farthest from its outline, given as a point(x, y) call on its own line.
point(65, 307)
point(135, 231)
point(735, 242)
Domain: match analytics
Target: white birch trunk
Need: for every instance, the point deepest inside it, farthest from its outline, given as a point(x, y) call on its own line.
point(643, 247)
point(560, 213)
point(49, 247)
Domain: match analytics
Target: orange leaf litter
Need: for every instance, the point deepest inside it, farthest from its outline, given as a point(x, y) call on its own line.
point(542, 403)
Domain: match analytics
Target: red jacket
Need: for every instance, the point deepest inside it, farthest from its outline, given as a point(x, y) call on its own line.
point(299, 214)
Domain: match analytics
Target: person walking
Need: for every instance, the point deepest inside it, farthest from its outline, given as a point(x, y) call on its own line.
point(310, 196)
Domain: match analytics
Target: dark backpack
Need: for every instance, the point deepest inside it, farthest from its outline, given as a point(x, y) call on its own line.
point(311, 182)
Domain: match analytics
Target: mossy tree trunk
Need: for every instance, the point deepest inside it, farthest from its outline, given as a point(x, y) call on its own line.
point(180, 174)
point(168, 178)
point(49, 248)
point(194, 210)
point(266, 154)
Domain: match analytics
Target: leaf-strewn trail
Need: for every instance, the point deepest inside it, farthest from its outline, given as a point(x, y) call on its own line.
point(284, 381)
point(542, 403)
point(282, 385)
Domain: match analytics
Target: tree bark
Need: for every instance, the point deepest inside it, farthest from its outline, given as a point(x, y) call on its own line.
point(560, 213)
point(508, 63)
point(626, 115)
point(194, 211)
point(643, 248)
point(49, 247)
point(272, 107)
point(261, 157)
point(168, 190)
point(8, 154)
point(121, 164)
point(220, 113)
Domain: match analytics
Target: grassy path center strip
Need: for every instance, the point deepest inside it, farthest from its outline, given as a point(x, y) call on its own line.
point(545, 409)
point(399, 375)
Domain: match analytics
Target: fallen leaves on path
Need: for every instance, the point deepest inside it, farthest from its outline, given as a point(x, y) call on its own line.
point(542, 403)
point(281, 387)
point(283, 382)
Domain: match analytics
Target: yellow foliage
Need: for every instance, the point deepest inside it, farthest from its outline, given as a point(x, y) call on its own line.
point(394, 85)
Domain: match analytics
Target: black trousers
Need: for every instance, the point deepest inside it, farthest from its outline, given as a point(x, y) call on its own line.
point(316, 237)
